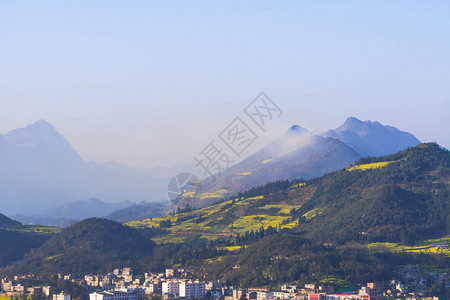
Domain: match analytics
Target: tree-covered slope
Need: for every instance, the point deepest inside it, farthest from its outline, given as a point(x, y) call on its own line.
point(139, 211)
point(399, 198)
point(405, 200)
point(16, 239)
point(7, 222)
point(14, 245)
point(284, 231)
point(335, 225)
point(91, 245)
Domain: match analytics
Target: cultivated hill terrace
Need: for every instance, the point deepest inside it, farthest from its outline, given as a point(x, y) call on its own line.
point(357, 224)
point(396, 198)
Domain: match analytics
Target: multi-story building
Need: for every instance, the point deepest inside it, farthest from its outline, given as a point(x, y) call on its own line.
point(324, 296)
point(191, 289)
point(170, 287)
point(314, 296)
point(289, 288)
point(107, 281)
point(61, 296)
point(47, 290)
point(91, 280)
point(264, 295)
point(170, 273)
point(366, 290)
point(280, 295)
point(113, 295)
point(238, 293)
point(152, 287)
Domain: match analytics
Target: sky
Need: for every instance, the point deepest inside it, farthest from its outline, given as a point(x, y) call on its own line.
point(148, 83)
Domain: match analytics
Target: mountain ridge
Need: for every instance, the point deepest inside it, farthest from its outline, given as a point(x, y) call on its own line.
point(286, 231)
point(371, 138)
point(40, 169)
point(298, 153)
point(72, 212)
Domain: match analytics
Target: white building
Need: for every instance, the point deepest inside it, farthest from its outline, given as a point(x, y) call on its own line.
point(47, 290)
point(112, 295)
point(151, 288)
point(280, 295)
point(170, 287)
point(61, 296)
point(262, 295)
point(191, 289)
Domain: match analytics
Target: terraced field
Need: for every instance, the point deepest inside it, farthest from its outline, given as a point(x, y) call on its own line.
point(256, 222)
point(221, 220)
point(39, 229)
point(370, 166)
point(441, 246)
point(232, 248)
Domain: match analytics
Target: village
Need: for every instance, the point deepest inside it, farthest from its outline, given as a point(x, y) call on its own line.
point(125, 284)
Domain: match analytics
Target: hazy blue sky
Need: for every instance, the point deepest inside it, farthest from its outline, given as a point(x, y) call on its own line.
point(152, 82)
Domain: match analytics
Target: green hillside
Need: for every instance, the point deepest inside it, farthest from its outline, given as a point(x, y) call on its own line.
point(341, 220)
point(7, 222)
point(91, 245)
point(351, 226)
point(398, 198)
point(17, 239)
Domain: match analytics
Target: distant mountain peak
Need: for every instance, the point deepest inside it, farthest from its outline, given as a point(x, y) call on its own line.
point(352, 120)
point(372, 138)
point(41, 124)
point(352, 123)
point(355, 124)
point(37, 130)
point(297, 129)
point(42, 127)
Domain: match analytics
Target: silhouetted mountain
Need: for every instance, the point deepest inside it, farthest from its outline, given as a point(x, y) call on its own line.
point(296, 154)
point(313, 229)
point(301, 154)
point(397, 198)
point(41, 170)
point(6, 222)
point(371, 138)
point(139, 211)
point(69, 213)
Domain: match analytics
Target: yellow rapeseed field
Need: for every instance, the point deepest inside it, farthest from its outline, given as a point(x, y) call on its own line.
point(370, 166)
point(441, 246)
point(245, 173)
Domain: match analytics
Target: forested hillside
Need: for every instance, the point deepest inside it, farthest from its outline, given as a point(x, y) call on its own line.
point(91, 245)
point(357, 224)
point(16, 239)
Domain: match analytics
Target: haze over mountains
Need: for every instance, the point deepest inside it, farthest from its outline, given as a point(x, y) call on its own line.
point(296, 154)
point(40, 170)
point(69, 213)
point(300, 154)
point(343, 221)
point(371, 138)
